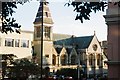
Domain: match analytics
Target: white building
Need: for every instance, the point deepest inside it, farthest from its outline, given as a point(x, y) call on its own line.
point(17, 44)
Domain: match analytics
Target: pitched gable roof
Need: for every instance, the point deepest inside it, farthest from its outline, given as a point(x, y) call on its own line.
point(69, 50)
point(58, 49)
point(83, 42)
point(79, 42)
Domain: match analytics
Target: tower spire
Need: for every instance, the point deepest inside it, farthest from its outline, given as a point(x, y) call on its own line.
point(43, 16)
point(46, 14)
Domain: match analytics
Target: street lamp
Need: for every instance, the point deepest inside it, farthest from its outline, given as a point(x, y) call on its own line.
point(78, 67)
point(80, 51)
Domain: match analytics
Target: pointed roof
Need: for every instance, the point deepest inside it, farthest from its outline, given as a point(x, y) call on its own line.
point(79, 42)
point(46, 14)
point(83, 42)
point(58, 49)
point(69, 50)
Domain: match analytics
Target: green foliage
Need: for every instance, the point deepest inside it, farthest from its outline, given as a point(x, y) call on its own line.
point(18, 69)
point(23, 68)
point(7, 60)
point(8, 22)
point(67, 72)
point(84, 8)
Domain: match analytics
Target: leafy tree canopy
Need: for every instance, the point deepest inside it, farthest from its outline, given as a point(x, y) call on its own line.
point(6, 12)
point(18, 68)
point(83, 8)
point(23, 68)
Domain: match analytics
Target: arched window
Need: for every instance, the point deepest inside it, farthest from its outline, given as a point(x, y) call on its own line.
point(38, 32)
point(63, 59)
point(53, 59)
point(73, 59)
point(47, 32)
point(98, 59)
point(91, 59)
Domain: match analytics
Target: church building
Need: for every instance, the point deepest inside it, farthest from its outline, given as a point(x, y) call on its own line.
point(59, 50)
point(66, 51)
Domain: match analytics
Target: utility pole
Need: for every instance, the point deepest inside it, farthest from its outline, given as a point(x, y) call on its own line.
point(41, 53)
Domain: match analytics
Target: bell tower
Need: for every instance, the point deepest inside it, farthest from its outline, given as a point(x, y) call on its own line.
point(47, 34)
point(47, 23)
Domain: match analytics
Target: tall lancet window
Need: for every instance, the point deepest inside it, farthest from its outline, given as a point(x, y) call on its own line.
point(91, 59)
point(47, 32)
point(54, 59)
point(38, 32)
point(98, 59)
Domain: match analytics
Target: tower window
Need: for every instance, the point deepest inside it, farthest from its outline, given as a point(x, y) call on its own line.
point(38, 32)
point(47, 32)
point(46, 13)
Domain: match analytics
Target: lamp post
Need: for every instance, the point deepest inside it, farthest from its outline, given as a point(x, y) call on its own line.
point(78, 67)
point(79, 73)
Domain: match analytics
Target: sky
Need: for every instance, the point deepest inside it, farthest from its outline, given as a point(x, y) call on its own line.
point(64, 20)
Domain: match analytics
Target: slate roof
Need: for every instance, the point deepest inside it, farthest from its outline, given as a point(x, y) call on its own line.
point(79, 42)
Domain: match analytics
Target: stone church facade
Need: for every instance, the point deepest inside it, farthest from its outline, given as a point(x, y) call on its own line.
point(66, 51)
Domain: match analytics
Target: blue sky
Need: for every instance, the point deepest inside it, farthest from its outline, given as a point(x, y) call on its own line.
point(64, 20)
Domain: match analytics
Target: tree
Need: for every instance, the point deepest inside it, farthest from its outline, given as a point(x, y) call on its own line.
point(67, 72)
point(6, 11)
point(18, 68)
point(7, 61)
point(22, 69)
point(84, 8)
